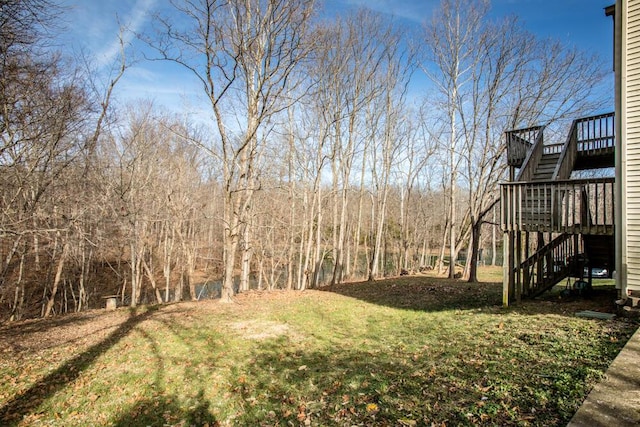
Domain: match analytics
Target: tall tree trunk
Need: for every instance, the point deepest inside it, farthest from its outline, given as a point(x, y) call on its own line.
point(452, 224)
point(292, 202)
point(247, 251)
point(319, 255)
point(379, 236)
point(443, 246)
point(56, 280)
point(339, 260)
point(134, 274)
point(356, 239)
point(475, 249)
point(166, 265)
point(152, 280)
point(18, 300)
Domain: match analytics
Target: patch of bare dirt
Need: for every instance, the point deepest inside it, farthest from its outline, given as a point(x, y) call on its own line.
point(260, 330)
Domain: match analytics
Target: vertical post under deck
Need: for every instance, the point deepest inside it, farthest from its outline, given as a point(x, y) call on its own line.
point(539, 266)
point(526, 279)
point(508, 268)
point(518, 273)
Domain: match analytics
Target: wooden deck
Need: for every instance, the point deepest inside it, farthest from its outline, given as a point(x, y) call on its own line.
point(579, 206)
point(547, 217)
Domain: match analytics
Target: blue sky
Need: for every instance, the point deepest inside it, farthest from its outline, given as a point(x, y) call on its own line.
point(92, 27)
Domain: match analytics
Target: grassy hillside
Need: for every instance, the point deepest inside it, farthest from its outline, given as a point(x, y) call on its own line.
point(409, 351)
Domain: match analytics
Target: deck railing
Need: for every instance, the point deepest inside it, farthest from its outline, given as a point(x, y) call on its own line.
point(563, 206)
point(519, 142)
point(596, 133)
point(587, 136)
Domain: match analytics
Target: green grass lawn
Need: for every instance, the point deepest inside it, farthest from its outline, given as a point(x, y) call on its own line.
point(408, 351)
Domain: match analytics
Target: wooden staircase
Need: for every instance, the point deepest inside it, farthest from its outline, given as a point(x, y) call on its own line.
point(546, 167)
point(576, 214)
point(549, 265)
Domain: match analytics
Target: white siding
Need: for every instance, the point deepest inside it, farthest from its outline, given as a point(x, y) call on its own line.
point(632, 115)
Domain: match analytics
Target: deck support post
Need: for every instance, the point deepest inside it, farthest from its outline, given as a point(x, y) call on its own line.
point(508, 276)
point(518, 273)
point(539, 268)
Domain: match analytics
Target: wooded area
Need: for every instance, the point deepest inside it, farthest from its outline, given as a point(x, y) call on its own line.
point(320, 162)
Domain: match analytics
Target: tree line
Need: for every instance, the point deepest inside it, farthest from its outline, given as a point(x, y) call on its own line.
point(321, 159)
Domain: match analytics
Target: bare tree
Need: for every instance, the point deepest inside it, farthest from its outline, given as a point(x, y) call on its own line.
point(494, 76)
point(450, 41)
point(43, 115)
point(243, 53)
point(350, 57)
point(51, 118)
point(416, 155)
point(393, 133)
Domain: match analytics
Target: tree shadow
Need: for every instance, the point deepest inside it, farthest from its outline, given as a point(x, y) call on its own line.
point(27, 401)
point(43, 324)
point(363, 386)
point(432, 294)
point(423, 293)
point(168, 410)
point(162, 408)
point(14, 334)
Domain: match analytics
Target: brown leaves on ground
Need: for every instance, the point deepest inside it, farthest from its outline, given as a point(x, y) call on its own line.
point(414, 292)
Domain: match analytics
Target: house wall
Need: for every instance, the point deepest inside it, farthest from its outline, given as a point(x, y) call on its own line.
point(628, 103)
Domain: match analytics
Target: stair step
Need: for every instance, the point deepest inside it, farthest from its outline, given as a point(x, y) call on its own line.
point(546, 167)
point(548, 160)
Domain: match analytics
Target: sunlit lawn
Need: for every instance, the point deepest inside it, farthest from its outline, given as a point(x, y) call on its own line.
point(410, 351)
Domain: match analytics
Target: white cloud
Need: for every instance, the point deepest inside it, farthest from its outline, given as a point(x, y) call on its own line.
point(132, 23)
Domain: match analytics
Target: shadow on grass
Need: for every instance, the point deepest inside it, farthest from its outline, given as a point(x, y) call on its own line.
point(29, 400)
point(164, 408)
point(423, 293)
point(432, 294)
point(29, 326)
point(168, 410)
point(366, 386)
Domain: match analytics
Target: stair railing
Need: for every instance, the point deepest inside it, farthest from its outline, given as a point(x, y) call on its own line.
point(519, 143)
point(568, 155)
point(533, 157)
point(548, 265)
